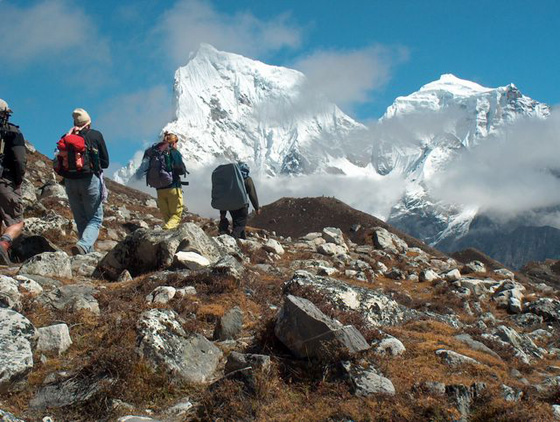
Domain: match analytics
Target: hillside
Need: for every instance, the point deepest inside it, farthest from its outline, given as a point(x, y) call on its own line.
point(311, 318)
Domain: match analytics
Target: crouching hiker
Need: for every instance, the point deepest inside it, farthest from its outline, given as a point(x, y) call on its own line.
point(232, 188)
point(81, 156)
point(12, 170)
point(164, 166)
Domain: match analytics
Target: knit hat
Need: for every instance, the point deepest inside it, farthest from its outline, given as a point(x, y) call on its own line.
point(4, 107)
point(81, 117)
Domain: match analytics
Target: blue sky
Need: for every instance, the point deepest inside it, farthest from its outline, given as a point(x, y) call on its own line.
point(117, 59)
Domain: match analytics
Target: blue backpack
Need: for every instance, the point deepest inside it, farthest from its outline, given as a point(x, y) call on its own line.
point(158, 161)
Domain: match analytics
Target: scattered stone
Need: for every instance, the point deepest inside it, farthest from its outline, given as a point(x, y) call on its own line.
point(334, 235)
point(387, 241)
point(164, 344)
point(391, 346)
point(546, 307)
point(229, 245)
point(48, 264)
point(229, 326)
point(452, 275)
point(331, 249)
point(54, 339)
point(124, 276)
point(273, 246)
point(84, 265)
point(161, 294)
point(476, 345)
point(237, 361)
point(185, 291)
point(366, 382)
point(17, 338)
point(28, 286)
point(475, 267)
point(309, 333)
point(72, 297)
point(452, 358)
point(191, 260)
point(428, 275)
point(511, 395)
point(10, 297)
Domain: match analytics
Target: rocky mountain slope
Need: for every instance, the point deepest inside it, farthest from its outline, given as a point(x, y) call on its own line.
point(188, 325)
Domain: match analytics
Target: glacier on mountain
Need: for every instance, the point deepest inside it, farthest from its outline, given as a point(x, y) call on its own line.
point(229, 107)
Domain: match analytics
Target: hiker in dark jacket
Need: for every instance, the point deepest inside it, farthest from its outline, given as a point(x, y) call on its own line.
point(12, 164)
point(170, 197)
point(239, 217)
point(86, 189)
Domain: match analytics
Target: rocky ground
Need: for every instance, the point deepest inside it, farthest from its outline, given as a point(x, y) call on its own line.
point(322, 314)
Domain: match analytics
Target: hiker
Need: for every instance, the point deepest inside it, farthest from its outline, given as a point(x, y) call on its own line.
point(12, 169)
point(81, 157)
point(239, 216)
point(164, 170)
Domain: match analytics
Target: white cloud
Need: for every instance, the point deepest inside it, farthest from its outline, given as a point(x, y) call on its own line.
point(47, 30)
point(348, 78)
point(191, 22)
point(516, 173)
point(140, 115)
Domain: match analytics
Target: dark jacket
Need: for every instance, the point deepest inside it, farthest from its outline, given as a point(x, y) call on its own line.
point(252, 192)
point(14, 160)
point(95, 140)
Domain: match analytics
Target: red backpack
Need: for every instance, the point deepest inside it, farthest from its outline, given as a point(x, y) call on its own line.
point(73, 155)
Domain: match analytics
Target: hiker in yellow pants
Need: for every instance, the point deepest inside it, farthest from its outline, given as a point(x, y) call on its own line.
point(170, 203)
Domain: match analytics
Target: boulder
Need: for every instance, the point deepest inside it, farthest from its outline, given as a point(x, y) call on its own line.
point(387, 241)
point(452, 275)
point(334, 235)
point(28, 286)
point(451, 358)
point(366, 382)
point(273, 246)
point(51, 222)
point(428, 275)
point(546, 307)
point(475, 267)
point(10, 297)
point(17, 338)
point(525, 348)
point(161, 294)
point(228, 245)
point(476, 345)
point(148, 250)
point(48, 264)
point(72, 297)
point(309, 333)
point(54, 339)
point(390, 346)
point(85, 265)
point(72, 389)
point(29, 245)
point(331, 249)
point(237, 361)
point(229, 326)
point(376, 308)
point(164, 344)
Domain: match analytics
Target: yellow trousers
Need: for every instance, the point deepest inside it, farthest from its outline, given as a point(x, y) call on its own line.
point(170, 203)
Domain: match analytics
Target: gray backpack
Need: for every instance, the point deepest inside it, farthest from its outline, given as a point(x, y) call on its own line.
point(228, 188)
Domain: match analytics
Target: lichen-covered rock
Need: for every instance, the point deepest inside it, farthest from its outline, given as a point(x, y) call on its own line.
point(10, 297)
point(17, 338)
point(376, 308)
point(390, 346)
point(452, 358)
point(48, 264)
point(161, 294)
point(387, 241)
point(309, 333)
point(229, 326)
point(163, 343)
point(334, 235)
point(273, 246)
point(366, 382)
point(73, 297)
point(546, 307)
point(148, 250)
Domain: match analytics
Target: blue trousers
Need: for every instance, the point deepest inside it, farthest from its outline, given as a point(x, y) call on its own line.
point(84, 196)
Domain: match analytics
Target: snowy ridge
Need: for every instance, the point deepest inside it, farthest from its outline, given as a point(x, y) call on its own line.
point(229, 107)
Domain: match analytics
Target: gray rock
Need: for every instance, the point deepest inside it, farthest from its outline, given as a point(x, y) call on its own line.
point(331, 249)
point(451, 358)
point(546, 307)
point(10, 297)
point(85, 265)
point(475, 267)
point(334, 235)
point(53, 190)
point(556, 411)
point(376, 308)
point(161, 294)
point(511, 395)
point(428, 275)
point(229, 245)
point(164, 344)
point(229, 266)
point(463, 397)
point(309, 333)
point(366, 382)
point(387, 241)
point(273, 246)
point(230, 325)
point(73, 297)
point(148, 250)
point(17, 339)
point(48, 264)
point(237, 361)
point(452, 275)
point(29, 196)
point(525, 348)
point(191, 260)
point(72, 390)
point(391, 346)
point(28, 286)
point(528, 320)
point(124, 276)
point(476, 345)
point(434, 387)
point(8, 417)
point(51, 222)
point(54, 339)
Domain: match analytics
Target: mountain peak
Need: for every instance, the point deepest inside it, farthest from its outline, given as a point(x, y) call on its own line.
point(455, 85)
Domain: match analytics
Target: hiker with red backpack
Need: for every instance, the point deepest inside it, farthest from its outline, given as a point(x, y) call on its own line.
point(232, 189)
point(163, 166)
point(12, 169)
point(81, 157)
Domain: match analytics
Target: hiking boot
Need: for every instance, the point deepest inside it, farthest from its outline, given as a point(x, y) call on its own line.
point(78, 250)
point(4, 256)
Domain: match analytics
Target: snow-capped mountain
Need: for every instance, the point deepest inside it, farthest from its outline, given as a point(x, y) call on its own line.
point(229, 107)
point(424, 133)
